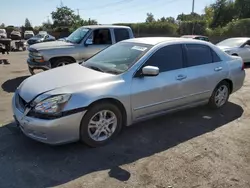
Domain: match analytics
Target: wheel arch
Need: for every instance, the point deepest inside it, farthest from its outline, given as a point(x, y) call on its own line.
point(116, 102)
point(230, 82)
point(54, 59)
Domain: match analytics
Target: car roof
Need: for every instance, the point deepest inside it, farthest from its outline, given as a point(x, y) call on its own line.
point(158, 40)
point(105, 26)
point(193, 36)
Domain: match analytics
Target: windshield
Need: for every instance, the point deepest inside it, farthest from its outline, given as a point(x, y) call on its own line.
point(117, 58)
point(40, 35)
point(77, 35)
point(233, 42)
point(2, 31)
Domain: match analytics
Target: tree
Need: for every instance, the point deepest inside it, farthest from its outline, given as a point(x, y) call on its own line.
point(243, 8)
point(189, 17)
point(47, 25)
point(64, 17)
point(150, 18)
point(224, 12)
point(2, 25)
point(27, 23)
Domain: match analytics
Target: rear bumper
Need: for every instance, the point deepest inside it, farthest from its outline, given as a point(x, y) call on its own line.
point(35, 65)
point(238, 80)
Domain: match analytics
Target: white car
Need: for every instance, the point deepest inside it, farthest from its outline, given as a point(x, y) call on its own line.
point(3, 33)
point(28, 34)
point(239, 46)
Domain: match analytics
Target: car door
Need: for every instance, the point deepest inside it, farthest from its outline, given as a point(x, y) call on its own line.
point(204, 71)
point(98, 40)
point(153, 95)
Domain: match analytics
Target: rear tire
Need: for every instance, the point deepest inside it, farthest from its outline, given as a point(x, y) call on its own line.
point(220, 95)
point(101, 123)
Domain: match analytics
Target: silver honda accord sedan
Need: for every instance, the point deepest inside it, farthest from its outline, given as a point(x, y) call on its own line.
point(127, 82)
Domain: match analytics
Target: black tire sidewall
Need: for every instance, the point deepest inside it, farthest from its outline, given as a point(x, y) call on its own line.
point(212, 98)
point(84, 136)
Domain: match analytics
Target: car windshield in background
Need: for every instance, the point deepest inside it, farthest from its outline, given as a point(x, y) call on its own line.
point(2, 31)
point(117, 58)
point(77, 35)
point(233, 42)
point(40, 35)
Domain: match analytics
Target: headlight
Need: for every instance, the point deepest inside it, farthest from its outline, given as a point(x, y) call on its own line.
point(52, 105)
point(228, 51)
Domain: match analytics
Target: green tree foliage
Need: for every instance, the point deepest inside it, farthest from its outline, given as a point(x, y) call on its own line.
point(197, 27)
point(223, 12)
point(189, 17)
point(2, 26)
point(27, 23)
point(243, 8)
point(150, 18)
point(64, 17)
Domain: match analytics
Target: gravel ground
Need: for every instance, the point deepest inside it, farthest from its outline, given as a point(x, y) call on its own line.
point(192, 148)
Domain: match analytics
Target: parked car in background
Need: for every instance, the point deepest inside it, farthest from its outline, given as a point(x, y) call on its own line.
point(3, 33)
point(43, 32)
point(239, 46)
point(40, 38)
point(62, 39)
point(198, 37)
point(120, 85)
point(15, 35)
point(28, 34)
point(80, 45)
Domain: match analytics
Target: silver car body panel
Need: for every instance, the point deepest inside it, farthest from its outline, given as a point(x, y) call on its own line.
point(141, 98)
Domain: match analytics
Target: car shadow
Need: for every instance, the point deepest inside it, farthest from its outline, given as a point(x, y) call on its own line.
point(27, 163)
point(11, 84)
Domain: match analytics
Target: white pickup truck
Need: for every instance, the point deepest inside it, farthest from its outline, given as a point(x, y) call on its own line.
point(80, 45)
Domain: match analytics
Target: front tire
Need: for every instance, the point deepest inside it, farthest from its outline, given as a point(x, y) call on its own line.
point(220, 95)
point(61, 62)
point(101, 124)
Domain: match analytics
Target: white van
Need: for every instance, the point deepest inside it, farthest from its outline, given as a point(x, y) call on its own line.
point(28, 34)
point(3, 33)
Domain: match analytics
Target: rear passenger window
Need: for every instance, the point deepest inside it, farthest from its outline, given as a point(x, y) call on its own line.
point(216, 58)
point(198, 54)
point(121, 34)
point(167, 58)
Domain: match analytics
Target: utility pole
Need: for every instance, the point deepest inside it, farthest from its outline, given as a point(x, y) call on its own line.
point(193, 13)
point(193, 7)
point(77, 11)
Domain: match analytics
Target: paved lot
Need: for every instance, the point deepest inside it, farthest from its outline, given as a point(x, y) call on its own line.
point(193, 148)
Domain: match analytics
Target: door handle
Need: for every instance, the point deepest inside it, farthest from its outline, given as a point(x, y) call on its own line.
point(181, 77)
point(218, 69)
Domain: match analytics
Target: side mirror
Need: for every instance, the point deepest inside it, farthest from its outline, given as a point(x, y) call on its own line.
point(150, 71)
point(89, 42)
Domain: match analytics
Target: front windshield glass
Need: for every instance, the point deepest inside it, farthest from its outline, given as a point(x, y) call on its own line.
point(2, 31)
point(233, 42)
point(117, 58)
point(40, 35)
point(77, 35)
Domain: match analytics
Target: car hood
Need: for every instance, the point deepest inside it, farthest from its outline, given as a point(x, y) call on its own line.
point(226, 48)
point(51, 45)
point(58, 78)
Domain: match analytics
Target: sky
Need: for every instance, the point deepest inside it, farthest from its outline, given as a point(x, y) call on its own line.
point(14, 12)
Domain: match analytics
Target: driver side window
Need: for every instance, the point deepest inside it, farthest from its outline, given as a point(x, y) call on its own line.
point(100, 37)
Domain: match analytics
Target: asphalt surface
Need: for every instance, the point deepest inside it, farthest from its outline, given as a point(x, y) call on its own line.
point(194, 148)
